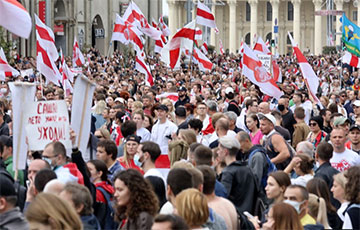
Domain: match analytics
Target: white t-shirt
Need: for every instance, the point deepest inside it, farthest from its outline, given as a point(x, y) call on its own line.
point(167, 209)
point(155, 172)
point(144, 134)
point(343, 161)
point(302, 180)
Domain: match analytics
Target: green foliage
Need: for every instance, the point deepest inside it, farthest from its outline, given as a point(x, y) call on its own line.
point(5, 44)
point(329, 49)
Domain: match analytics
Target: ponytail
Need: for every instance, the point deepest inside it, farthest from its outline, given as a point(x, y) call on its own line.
point(317, 209)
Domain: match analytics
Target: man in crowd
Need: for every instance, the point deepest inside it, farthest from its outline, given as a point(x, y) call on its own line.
point(183, 97)
point(7, 157)
point(354, 136)
point(138, 117)
point(288, 120)
point(302, 130)
point(201, 109)
point(106, 151)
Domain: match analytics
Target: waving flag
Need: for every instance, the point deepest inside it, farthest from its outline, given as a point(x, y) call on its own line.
point(15, 18)
point(160, 43)
point(78, 57)
point(205, 17)
point(311, 80)
point(350, 35)
point(182, 40)
point(142, 67)
point(261, 47)
point(174, 97)
point(46, 38)
point(198, 34)
point(163, 27)
point(204, 48)
point(351, 59)
point(66, 75)
point(46, 65)
point(221, 47)
point(203, 62)
point(5, 68)
point(257, 74)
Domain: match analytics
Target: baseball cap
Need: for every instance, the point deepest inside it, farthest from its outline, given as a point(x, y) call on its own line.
point(182, 88)
point(357, 103)
point(120, 99)
point(6, 186)
point(180, 111)
point(341, 121)
point(133, 137)
point(269, 117)
point(229, 90)
point(355, 126)
point(162, 107)
point(229, 142)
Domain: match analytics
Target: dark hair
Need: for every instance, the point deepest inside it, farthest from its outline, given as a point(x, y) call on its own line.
point(198, 86)
point(333, 108)
point(80, 195)
point(158, 186)
point(128, 128)
point(100, 166)
point(319, 120)
point(152, 148)
point(42, 178)
point(142, 196)
point(209, 179)
point(325, 151)
point(255, 118)
point(304, 192)
point(179, 179)
point(151, 121)
point(323, 112)
point(177, 222)
point(193, 146)
point(306, 163)
point(189, 107)
point(281, 178)
point(109, 146)
point(195, 124)
point(352, 190)
point(248, 102)
point(320, 188)
point(299, 112)
point(120, 115)
point(203, 155)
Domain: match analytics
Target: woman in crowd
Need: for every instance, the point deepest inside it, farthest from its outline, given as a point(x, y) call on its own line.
point(99, 177)
point(352, 194)
point(131, 145)
point(136, 105)
point(277, 183)
point(49, 211)
point(253, 124)
point(319, 187)
point(192, 206)
point(338, 190)
point(317, 209)
point(170, 105)
point(316, 135)
point(302, 165)
point(136, 202)
point(98, 114)
point(102, 134)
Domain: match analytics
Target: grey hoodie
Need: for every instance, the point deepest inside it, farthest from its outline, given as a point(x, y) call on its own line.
point(13, 219)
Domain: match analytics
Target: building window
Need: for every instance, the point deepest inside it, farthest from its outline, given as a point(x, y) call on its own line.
point(288, 39)
point(248, 12)
point(290, 12)
point(268, 12)
point(247, 39)
point(355, 16)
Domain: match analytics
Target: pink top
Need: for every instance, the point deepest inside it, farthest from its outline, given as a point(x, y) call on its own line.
point(256, 138)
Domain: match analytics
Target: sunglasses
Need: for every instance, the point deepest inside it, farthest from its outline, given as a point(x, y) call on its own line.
point(313, 124)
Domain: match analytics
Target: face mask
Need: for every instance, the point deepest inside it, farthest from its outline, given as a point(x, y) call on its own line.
point(295, 204)
point(28, 162)
point(48, 160)
point(137, 160)
point(281, 107)
point(3, 90)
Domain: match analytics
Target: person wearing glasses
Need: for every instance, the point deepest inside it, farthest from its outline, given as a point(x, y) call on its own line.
point(316, 134)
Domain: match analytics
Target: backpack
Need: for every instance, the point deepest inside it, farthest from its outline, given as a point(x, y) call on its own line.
point(270, 166)
point(105, 212)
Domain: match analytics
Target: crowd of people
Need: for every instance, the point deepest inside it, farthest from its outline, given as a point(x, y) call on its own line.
point(194, 151)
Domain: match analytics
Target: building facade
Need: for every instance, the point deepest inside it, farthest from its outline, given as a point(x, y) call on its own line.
point(91, 21)
point(239, 20)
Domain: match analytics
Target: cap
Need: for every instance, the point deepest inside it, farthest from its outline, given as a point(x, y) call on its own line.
point(355, 127)
point(357, 103)
point(162, 107)
point(182, 88)
point(341, 121)
point(6, 186)
point(229, 90)
point(269, 117)
point(120, 99)
point(6, 140)
point(133, 137)
point(229, 142)
point(180, 111)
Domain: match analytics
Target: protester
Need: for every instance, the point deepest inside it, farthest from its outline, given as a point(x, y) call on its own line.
point(338, 191)
point(131, 145)
point(352, 191)
point(170, 222)
point(106, 151)
point(302, 165)
point(301, 129)
point(253, 124)
point(139, 117)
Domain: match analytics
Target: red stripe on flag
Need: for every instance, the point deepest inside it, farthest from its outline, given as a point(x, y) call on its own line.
point(300, 57)
point(44, 34)
point(354, 61)
point(185, 33)
point(16, 3)
point(174, 54)
point(204, 14)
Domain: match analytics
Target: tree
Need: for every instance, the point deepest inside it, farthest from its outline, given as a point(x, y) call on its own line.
point(5, 44)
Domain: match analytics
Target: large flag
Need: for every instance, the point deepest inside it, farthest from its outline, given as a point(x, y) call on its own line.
point(257, 74)
point(46, 38)
point(203, 62)
point(142, 67)
point(311, 80)
point(163, 27)
point(160, 43)
point(261, 47)
point(6, 70)
point(205, 17)
point(78, 57)
point(15, 18)
point(67, 75)
point(204, 48)
point(221, 47)
point(198, 34)
point(350, 35)
point(46, 65)
point(351, 59)
point(182, 40)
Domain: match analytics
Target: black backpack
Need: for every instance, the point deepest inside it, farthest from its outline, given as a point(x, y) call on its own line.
point(104, 212)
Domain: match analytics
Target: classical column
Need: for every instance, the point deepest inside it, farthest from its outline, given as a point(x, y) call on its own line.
point(253, 22)
point(275, 11)
point(212, 31)
point(339, 6)
point(172, 17)
point(296, 22)
point(232, 25)
point(317, 31)
point(358, 14)
point(179, 11)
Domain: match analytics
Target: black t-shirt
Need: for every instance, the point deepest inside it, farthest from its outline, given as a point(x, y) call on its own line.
point(288, 122)
point(233, 106)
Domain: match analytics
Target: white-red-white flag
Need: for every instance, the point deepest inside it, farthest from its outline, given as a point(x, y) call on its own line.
point(46, 65)
point(142, 67)
point(174, 97)
point(257, 74)
point(203, 62)
point(163, 27)
point(160, 43)
point(221, 47)
point(311, 80)
point(205, 17)
point(66, 75)
point(78, 57)
point(198, 34)
point(182, 40)
point(15, 18)
point(260, 47)
point(204, 48)
point(120, 32)
point(351, 59)
point(45, 36)
point(6, 70)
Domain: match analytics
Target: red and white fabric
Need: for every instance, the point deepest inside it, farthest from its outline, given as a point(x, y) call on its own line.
point(260, 47)
point(66, 74)
point(160, 43)
point(142, 67)
point(221, 47)
point(134, 16)
point(6, 70)
point(78, 57)
point(46, 38)
point(163, 27)
point(15, 18)
point(204, 48)
point(203, 62)
point(45, 64)
point(311, 80)
point(351, 59)
point(205, 17)
point(257, 74)
point(174, 97)
point(208, 129)
point(198, 34)
point(241, 49)
point(69, 173)
point(182, 40)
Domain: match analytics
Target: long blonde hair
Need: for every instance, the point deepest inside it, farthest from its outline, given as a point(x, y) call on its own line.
point(49, 209)
point(317, 209)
